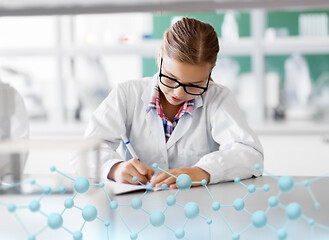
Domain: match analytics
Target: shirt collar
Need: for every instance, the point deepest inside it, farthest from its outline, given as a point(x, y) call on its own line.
point(149, 91)
point(154, 102)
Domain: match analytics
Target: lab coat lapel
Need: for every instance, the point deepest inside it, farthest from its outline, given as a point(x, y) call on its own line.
point(184, 124)
point(153, 121)
point(156, 128)
point(182, 127)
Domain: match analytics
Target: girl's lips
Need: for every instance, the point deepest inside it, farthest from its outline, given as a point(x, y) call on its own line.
point(176, 99)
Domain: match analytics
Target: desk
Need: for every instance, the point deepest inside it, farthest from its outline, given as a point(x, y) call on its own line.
point(225, 194)
point(196, 228)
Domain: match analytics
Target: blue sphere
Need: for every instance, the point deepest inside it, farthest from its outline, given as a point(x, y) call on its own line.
point(155, 166)
point(113, 205)
point(32, 181)
point(62, 189)
point(209, 221)
point(237, 180)
point(179, 233)
point(135, 179)
point(157, 218)
point(257, 167)
point(34, 205)
point(286, 183)
point(317, 205)
point(306, 183)
point(107, 223)
point(259, 219)
point(149, 187)
point(184, 182)
point(69, 203)
point(164, 187)
point(101, 184)
point(191, 210)
point(204, 182)
point(266, 187)
point(136, 203)
point(251, 188)
point(133, 236)
point(31, 237)
point(273, 201)
point(235, 236)
point(311, 222)
point(215, 206)
point(282, 234)
point(47, 190)
point(81, 184)
point(11, 207)
point(238, 204)
point(55, 221)
point(293, 211)
point(77, 235)
point(89, 213)
point(171, 200)
point(52, 168)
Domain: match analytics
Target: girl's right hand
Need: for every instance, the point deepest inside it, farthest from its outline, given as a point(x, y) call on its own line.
point(124, 172)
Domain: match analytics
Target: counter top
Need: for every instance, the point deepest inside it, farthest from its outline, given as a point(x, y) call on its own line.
point(227, 219)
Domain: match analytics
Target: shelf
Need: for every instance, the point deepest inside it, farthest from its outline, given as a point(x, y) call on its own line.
point(150, 48)
point(42, 130)
point(242, 46)
point(146, 48)
point(27, 52)
point(304, 45)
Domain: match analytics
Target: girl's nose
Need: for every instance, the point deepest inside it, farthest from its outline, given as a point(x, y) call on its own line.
point(180, 92)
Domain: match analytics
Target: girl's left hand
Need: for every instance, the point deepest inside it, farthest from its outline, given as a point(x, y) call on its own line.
point(196, 174)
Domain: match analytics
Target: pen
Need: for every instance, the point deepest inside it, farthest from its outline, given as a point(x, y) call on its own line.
point(129, 146)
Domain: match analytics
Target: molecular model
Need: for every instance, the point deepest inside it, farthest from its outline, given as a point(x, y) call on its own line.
point(191, 210)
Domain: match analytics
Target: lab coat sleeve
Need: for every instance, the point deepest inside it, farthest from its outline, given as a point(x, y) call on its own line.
point(239, 150)
point(107, 123)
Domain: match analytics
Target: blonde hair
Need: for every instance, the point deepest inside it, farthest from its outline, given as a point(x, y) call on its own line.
point(191, 41)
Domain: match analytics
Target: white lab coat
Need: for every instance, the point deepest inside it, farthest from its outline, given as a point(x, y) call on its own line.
point(215, 138)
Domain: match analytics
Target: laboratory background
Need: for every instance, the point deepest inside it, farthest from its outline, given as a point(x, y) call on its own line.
point(64, 57)
point(60, 59)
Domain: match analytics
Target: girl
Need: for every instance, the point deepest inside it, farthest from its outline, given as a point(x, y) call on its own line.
point(179, 118)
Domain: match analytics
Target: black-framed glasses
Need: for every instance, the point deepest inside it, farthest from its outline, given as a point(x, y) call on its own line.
point(188, 88)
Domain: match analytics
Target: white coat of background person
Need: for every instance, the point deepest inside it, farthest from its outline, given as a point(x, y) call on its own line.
point(14, 125)
point(212, 142)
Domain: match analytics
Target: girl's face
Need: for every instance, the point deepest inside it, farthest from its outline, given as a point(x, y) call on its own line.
point(184, 73)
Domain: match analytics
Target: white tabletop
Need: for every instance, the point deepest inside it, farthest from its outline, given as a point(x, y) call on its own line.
point(196, 228)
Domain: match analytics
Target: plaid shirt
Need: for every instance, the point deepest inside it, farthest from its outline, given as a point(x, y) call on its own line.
point(169, 126)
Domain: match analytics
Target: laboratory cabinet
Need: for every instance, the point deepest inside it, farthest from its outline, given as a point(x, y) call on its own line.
point(296, 154)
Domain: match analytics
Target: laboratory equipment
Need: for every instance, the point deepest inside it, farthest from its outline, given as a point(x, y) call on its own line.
point(230, 29)
point(226, 72)
point(25, 85)
point(313, 25)
point(297, 88)
point(272, 94)
point(93, 84)
point(13, 126)
point(322, 97)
